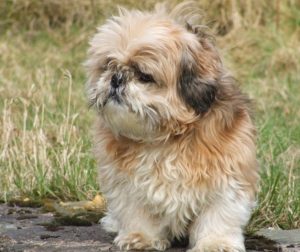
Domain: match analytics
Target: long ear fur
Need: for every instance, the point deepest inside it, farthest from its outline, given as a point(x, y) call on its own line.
point(197, 92)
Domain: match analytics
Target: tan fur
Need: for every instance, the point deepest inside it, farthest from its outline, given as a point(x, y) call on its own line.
point(167, 171)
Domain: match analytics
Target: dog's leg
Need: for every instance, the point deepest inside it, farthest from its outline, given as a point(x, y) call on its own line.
point(219, 226)
point(137, 230)
point(140, 241)
point(109, 223)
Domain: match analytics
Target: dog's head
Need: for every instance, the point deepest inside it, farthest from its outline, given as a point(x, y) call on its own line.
point(152, 73)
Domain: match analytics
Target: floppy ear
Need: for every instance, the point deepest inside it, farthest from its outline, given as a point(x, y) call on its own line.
point(198, 93)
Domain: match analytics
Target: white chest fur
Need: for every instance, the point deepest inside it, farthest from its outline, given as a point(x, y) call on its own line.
point(157, 185)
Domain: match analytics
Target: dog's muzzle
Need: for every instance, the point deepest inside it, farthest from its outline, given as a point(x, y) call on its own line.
point(116, 85)
point(116, 80)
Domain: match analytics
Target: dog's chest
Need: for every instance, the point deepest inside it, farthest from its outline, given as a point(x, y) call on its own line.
point(157, 180)
point(159, 183)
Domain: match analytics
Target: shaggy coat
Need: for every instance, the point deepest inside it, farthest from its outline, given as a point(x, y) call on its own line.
point(174, 139)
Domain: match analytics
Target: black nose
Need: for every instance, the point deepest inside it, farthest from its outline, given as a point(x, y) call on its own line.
point(116, 80)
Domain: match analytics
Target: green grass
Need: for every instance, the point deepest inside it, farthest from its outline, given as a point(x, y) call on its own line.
point(45, 123)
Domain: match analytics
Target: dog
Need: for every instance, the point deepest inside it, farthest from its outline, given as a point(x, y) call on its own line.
point(174, 136)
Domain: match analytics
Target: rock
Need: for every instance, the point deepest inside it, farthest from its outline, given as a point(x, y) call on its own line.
point(31, 230)
point(289, 240)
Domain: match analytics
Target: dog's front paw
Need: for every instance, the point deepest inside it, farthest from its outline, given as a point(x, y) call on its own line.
point(160, 245)
point(217, 247)
point(137, 241)
point(109, 224)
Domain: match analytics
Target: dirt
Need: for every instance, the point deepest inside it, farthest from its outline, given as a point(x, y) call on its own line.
point(33, 230)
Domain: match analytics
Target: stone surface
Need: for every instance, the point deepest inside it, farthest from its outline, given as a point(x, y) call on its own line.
point(31, 230)
point(289, 240)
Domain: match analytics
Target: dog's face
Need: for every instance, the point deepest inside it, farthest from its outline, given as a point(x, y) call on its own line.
point(150, 76)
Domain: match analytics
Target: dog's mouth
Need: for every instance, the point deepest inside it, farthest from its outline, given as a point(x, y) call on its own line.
point(115, 95)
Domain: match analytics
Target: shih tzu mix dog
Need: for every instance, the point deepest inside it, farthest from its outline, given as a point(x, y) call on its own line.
point(173, 137)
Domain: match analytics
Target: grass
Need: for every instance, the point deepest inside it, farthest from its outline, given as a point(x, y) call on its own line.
point(45, 123)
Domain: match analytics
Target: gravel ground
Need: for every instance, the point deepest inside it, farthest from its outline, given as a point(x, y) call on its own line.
point(32, 230)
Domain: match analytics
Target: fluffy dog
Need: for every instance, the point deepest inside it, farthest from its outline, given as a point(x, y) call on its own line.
point(173, 137)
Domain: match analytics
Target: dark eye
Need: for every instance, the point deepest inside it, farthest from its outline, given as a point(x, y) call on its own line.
point(145, 77)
